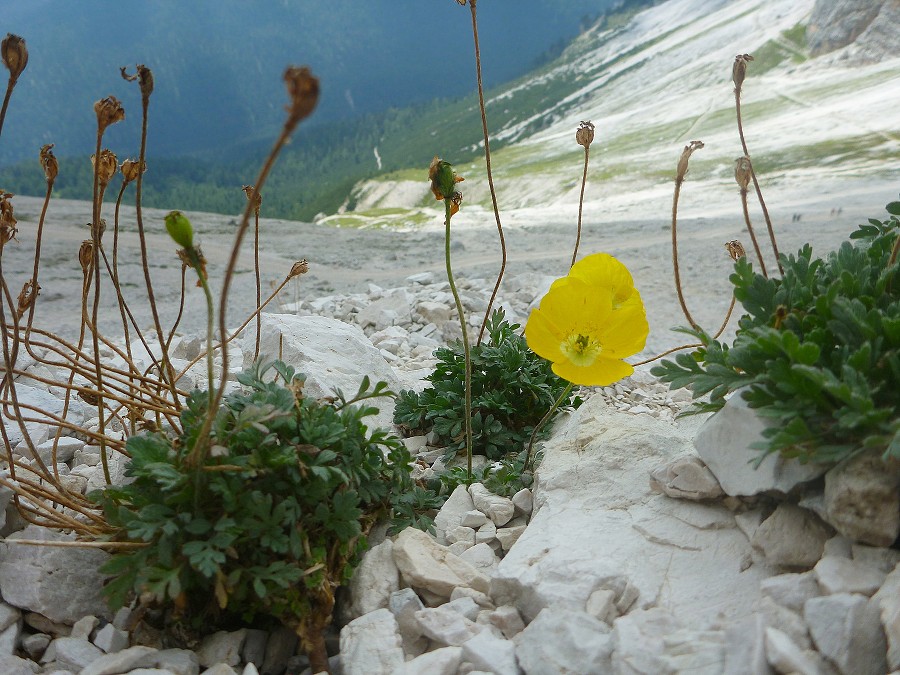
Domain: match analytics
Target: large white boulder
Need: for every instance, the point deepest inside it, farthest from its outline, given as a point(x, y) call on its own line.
point(598, 526)
point(332, 354)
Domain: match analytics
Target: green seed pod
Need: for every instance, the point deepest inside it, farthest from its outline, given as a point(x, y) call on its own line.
point(179, 228)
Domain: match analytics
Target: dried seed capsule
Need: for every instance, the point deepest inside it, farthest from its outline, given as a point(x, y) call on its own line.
point(739, 70)
point(109, 111)
point(106, 166)
point(15, 55)
point(131, 168)
point(303, 90)
point(49, 163)
point(179, 228)
point(735, 250)
point(299, 267)
point(86, 255)
point(689, 149)
point(743, 172)
point(585, 134)
point(249, 190)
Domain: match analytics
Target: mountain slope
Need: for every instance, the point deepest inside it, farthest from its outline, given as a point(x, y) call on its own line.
point(657, 82)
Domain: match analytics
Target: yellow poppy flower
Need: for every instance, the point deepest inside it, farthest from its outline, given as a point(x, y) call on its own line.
point(589, 321)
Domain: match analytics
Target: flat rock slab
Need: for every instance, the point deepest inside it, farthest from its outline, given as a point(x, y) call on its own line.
point(598, 525)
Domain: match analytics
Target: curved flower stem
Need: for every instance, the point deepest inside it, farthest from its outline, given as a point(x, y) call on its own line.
point(762, 203)
point(587, 151)
point(534, 432)
point(258, 283)
point(678, 290)
point(490, 177)
point(762, 265)
point(465, 339)
point(210, 314)
point(695, 344)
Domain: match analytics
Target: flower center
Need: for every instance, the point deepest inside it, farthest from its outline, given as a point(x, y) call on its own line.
point(581, 350)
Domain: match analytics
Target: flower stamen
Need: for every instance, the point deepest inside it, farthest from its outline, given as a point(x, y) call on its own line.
point(581, 350)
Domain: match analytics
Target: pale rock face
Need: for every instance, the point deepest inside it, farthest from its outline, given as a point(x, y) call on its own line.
point(598, 526)
point(371, 645)
point(564, 641)
point(723, 444)
point(862, 500)
point(427, 565)
point(332, 354)
point(458, 504)
point(685, 478)
point(846, 629)
point(374, 580)
point(791, 590)
point(887, 599)
point(786, 657)
point(791, 537)
point(842, 575)
point(447, 627)
point(443, 661)
point(122, 661)
point(222, 647)
point(62, 584)
point(499, 509)
point(639, 641)
point(482, 558)
point(491, 654)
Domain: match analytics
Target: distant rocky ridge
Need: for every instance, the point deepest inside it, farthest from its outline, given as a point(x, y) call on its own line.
point(869, 25)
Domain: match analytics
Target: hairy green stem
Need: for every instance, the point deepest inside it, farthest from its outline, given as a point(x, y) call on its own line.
point(587, 151)
point(534, 432)
point(465, 339)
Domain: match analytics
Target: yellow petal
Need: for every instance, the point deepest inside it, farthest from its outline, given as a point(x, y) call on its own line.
point(574, 305)
point(600, 373)
point(626, 330)
point(601, 269)
point(543, 336)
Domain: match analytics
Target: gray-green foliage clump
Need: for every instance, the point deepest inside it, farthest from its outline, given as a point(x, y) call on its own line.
point(817, 352)
point(272, 520)
point(512, 389)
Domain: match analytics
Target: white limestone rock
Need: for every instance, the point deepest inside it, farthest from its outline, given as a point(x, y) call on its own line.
point(39, 399)
point(564, 641)
point(332, 355)
point(374, 580)
point(121, 662)
point(745, 647)
point(427, 565)
point(491, 654)
point(639, 641)
point(791, 537)
point(887, 599)
point(846, 629)
point(445, 626)
point(598, 526)
point(443, 661)
point(523, 500)
point(394, 308)
point(222, 647)
point(508, 620)
point(786, 657)
point(483, 600)
point(71, 653)
point(473, 519)
point(452, 512)
point(371, 645)
point(13, 665)
point(842, 575)
point(508, 536)
point(791, 590)
point(499, 509)
point(862, 499)
point(482, 558)
point(723, 444)
point(685, 477)
point(61, 583)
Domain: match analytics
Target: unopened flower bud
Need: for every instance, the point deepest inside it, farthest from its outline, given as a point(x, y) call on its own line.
point(743, 172)
point(303, 90)
point(49, 163)
point(250, 191)
point(15, 55)
point(443, 179)
point(109, 111)
point(299, 267)
point(585, 134)
point(131, 168)
point(86, 256)
point(179, 228)
point(105, 167)
point(689, 149)
point(739, 70)
point(735, 250)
